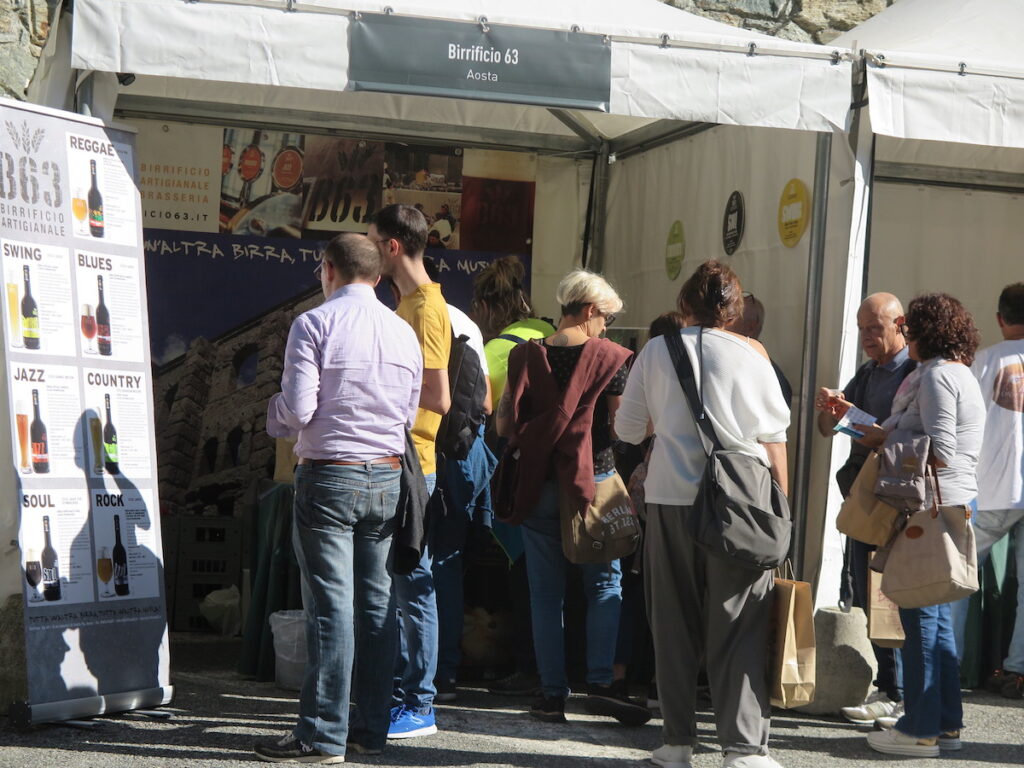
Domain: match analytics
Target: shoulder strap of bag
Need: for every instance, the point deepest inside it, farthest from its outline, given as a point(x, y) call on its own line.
point(687, 380)
point(935, 478)
point(510, 337)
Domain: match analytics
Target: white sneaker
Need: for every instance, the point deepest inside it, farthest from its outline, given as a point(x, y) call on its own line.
point(875, 706)
point(950, 741)
point(741, 760)
point(893, 742)
point(672, 756)
point(889, 721)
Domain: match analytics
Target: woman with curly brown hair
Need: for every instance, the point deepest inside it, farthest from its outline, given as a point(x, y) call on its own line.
point(941, 399)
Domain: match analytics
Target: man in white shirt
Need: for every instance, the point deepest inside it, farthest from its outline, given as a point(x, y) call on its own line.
point(1000, 372)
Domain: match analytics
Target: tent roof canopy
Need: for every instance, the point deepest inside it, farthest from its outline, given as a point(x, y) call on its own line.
point(947, 70)
point(216, 58)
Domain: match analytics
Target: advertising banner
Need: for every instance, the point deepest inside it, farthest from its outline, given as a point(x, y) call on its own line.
point(550, 68)
point(79, 399)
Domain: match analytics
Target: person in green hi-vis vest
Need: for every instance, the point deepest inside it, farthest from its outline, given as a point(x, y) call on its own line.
point(501, 307)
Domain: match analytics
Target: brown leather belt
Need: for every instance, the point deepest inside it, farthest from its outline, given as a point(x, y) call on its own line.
point(394, 462)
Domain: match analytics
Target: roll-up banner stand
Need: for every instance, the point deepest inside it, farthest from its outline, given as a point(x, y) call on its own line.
point(79, 467)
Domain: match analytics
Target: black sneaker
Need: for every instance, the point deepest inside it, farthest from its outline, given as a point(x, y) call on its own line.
point(290, 750)
point(613, 701)
point(354, 745)
point(1013, 688)
point(998, 679)
point(549, 709)
point(445, 690)
point(518, 684)
point(359, 749)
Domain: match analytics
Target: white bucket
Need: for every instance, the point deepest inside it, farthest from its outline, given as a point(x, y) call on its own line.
point(289, 628)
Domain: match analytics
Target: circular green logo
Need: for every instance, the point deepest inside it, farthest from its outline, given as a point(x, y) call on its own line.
point(675, 250)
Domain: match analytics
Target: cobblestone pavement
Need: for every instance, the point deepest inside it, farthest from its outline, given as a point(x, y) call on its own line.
point(218, 715)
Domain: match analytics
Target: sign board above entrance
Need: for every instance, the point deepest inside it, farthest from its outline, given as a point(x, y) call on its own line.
point(398, 54)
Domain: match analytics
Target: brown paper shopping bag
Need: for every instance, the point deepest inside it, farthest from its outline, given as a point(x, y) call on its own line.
point(284, 460)
point(793, 658)
point(884, 625)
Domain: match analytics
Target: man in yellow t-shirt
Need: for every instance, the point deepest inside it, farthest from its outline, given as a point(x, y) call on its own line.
point(400, 234)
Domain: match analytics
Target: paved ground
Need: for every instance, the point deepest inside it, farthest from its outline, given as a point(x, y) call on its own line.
point(218, 715)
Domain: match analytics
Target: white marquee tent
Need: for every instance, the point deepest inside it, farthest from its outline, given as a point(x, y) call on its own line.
point(696, 109)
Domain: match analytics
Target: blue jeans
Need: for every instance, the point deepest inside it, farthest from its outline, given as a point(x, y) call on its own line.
point(990, 526)
point(449, 540)
point(931, 673)
point(417, 655)
point(546, 569)
point(343, 522)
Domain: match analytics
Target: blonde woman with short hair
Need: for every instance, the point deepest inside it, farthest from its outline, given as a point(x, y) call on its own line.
point(557, 409)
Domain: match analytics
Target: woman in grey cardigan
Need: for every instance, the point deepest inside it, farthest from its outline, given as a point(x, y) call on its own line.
point(949, 408)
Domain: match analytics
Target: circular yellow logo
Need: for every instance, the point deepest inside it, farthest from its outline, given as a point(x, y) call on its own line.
point(675, 250)
point(794, 212)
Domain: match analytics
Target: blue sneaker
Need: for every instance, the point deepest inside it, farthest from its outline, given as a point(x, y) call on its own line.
point(408, 723)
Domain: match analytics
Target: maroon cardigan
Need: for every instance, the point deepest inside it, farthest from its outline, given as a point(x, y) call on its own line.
point(550, 425)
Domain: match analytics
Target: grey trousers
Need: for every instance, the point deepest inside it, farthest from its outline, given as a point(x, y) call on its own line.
point(704, 607)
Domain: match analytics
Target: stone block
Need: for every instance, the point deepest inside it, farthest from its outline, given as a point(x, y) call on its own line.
point(819, 16)
point(845, 661)
point(751, 9)
point(791, 31)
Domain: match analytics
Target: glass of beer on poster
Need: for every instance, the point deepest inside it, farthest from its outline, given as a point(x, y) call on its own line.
point(105, 570)
point(21, 417)
point(96, 435)
point(14, 312)
point(79, 208)
point(33, 575)
point(89, 328)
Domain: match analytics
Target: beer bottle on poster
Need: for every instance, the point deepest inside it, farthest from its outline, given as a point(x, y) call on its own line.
point(40, 443)
point(51, 569)
point(110, 459)
point(120, 561)
point(103, 340)
point(96, 223)
point(29, 314)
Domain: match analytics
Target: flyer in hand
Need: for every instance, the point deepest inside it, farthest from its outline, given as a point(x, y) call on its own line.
point(853, 416)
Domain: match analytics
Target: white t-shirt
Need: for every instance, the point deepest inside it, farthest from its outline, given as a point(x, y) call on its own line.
point(1000, 373)
point(463, 326)
point(741, 395)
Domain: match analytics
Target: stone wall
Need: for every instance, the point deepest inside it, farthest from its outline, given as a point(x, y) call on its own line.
point(24, 25)
point(815, 21)
point(211, 406)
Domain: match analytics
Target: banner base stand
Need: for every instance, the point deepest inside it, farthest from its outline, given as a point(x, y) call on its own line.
point(23, 714)
point(156, 714)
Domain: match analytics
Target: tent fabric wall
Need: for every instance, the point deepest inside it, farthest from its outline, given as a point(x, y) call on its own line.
point(966, 243)
point(559, 210)
point(691, 180)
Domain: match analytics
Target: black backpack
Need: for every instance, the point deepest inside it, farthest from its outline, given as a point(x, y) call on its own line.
point(468, 388)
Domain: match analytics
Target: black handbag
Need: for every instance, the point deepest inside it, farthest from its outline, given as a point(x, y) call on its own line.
point(740, 511)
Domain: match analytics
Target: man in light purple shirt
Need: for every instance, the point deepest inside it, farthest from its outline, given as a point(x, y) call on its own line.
point(351, 386)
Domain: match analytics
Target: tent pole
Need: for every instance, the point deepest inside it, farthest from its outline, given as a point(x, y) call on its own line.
point(84, 94)
point(812, 333)
point(599, 216)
